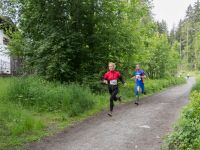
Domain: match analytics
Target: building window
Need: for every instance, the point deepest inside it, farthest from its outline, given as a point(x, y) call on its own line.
point(5, 41)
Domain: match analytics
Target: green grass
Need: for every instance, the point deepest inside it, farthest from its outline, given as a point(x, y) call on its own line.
point(4, 83)
point(186, 134)
point(14, 122)
point(196, 87)
point(31, 108)
point(151, 86)
point(40, 95)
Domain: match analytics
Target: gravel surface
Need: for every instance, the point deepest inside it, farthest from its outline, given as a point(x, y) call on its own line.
point(131, 127)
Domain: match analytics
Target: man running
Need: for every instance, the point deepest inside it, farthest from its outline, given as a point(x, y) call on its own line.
point(111, 78)
point(139, 76)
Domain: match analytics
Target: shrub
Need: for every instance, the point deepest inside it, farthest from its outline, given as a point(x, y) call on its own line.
point(186, 134)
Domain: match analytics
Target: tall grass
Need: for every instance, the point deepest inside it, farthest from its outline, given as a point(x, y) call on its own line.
point(151, 86)
point(14, 120)
point(4, 83)
point(27, 103)
point(41, 95)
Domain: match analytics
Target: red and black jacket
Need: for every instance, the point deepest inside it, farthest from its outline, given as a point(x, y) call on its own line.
point(113, 75)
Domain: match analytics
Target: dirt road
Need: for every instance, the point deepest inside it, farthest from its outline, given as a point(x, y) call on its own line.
point(131, 128)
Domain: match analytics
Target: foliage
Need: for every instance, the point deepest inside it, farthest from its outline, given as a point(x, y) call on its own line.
point(187, 33)
point(186, 134)
point(196, 87)
point(7, 25)
point(74, 40)
point(151, 86)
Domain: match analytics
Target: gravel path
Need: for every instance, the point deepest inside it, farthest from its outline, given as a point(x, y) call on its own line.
point(131, 127)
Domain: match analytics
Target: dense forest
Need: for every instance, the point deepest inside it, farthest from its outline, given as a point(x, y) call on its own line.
point(187, 34)
point(73, 40)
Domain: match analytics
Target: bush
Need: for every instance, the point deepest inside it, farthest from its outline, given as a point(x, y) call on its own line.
point(196, 87)
point(186, 134)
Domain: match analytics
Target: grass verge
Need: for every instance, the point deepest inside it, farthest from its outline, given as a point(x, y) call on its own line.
point(31, 108)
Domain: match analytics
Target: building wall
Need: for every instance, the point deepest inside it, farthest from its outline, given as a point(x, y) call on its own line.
point(5, 60)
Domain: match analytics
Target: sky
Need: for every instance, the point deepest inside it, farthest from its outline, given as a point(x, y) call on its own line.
point(170, 10)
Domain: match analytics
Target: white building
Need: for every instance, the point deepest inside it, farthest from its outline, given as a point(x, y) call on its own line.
point(5, 60)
